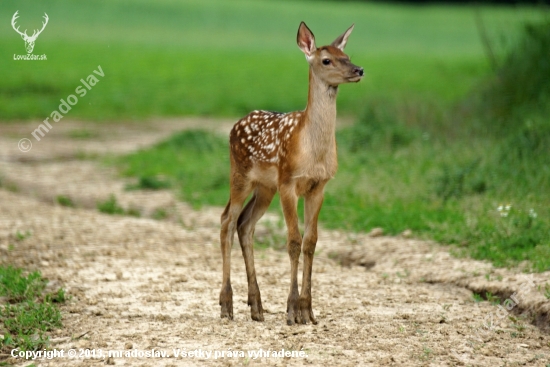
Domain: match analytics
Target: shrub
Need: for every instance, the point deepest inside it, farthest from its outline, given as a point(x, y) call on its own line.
point(522, 83)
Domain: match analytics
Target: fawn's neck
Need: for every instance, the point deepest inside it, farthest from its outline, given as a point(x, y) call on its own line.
point(320, 114)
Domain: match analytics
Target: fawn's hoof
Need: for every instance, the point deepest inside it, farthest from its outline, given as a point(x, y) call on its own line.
point(306, 312)
point(256, 309)
point(226, 301)
point(300, 312)
point(227, 312)
point(257, 316)
point(306, 316)
point(292, 312)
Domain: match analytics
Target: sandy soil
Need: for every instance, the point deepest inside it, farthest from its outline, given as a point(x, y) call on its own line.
point(139, 284)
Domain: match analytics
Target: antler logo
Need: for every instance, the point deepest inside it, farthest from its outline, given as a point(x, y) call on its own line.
point(29, 40)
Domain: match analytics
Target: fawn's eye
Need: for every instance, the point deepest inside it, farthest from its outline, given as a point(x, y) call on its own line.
point(326, 61)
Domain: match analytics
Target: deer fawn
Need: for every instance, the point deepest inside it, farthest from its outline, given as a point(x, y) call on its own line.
point(294, 153)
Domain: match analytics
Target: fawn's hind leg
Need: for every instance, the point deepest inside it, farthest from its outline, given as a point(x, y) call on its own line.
point(229, 220)
point(252, 212)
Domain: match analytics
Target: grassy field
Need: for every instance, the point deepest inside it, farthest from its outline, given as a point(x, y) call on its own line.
point(429, 152)
point(212, 57)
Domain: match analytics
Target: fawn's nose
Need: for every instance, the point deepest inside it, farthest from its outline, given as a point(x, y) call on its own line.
point(358, 71)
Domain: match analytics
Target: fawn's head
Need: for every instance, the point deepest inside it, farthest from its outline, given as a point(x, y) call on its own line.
point(329, 63)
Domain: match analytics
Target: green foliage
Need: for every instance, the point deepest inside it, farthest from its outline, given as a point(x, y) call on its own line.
point(217, 57)
point(160, 214)
point(57, 297)
point(17, 287)
point(527, 146)
point(110, 206)
point(83, 134)
point(20, 236)
point(523, 81)
point(133, 212)
point(25, 324)
point(25, 318)
point(413, 160)
point(149, 183)
point(435, 187)
point(514, 103)
point(493, 299)
point(448, 189)
point(477, 171)
point(65, 201)
point(196, 161)
point(456, 181)
point(29, 312)
point(477, 297)
point(509, 239)
point(379, 126)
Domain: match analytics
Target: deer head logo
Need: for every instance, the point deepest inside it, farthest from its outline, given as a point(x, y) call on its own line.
point(29, 40)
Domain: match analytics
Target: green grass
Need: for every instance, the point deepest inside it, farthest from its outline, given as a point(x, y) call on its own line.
point(437, 189)
point(112, 207)
point(65, 201)
point(83, 134)
point(429, 151)
point(447, 189)
point(28, 312)
point(149, 183)
point(477, 297)
point(214, 57)
point(197, 161)
point(431, 169)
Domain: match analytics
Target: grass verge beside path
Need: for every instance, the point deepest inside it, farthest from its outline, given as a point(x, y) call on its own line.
point(396, 179)
point(27, 311)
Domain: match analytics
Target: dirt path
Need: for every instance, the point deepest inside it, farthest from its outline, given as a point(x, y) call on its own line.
point(139, 284)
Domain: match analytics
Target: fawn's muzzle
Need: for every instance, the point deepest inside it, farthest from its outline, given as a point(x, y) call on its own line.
point(357, 74)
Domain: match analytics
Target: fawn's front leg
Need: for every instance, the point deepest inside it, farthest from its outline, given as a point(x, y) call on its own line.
point(312, 206)
point(289, 202)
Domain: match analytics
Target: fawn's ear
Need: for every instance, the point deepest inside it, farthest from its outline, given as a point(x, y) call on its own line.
point(342, 39)
point(306, 40)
